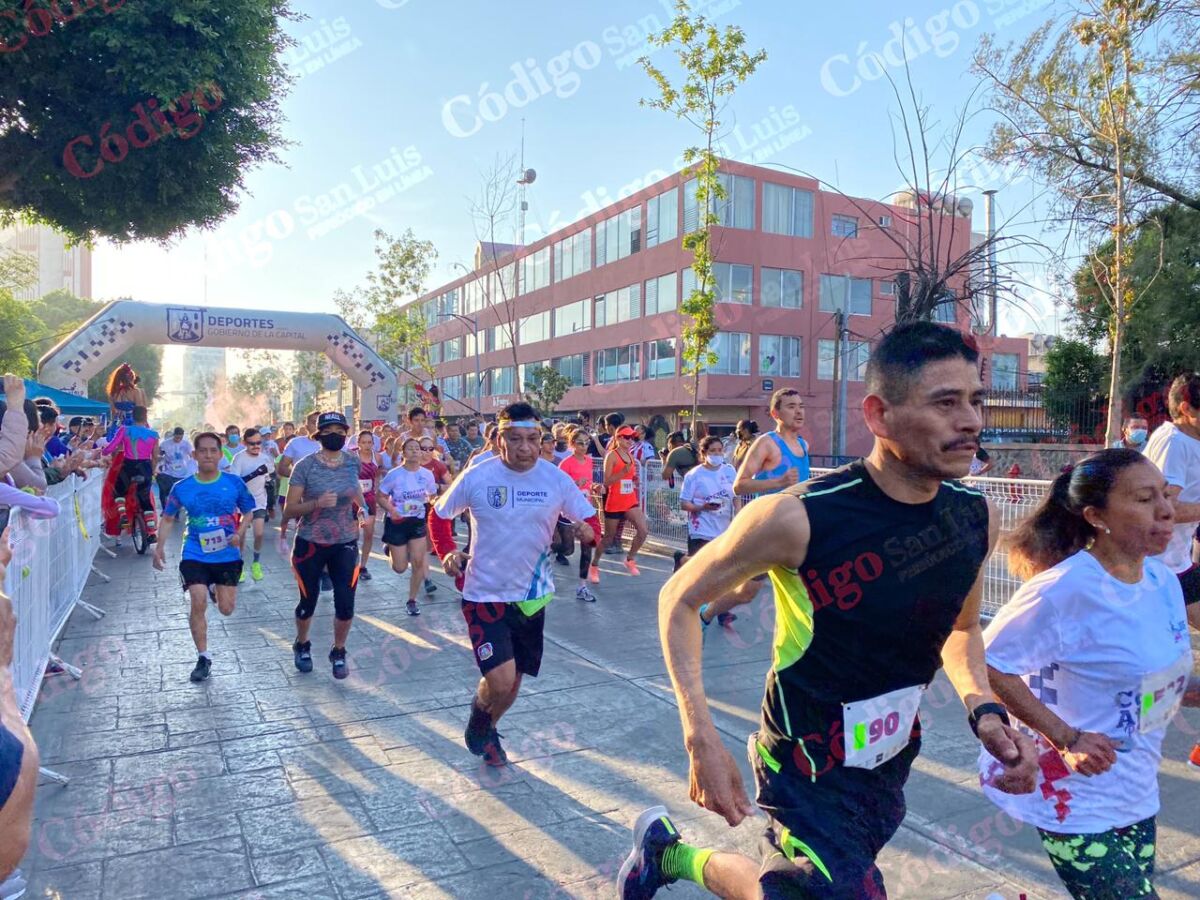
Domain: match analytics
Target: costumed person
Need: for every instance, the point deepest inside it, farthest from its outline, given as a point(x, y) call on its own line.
point(124, 394)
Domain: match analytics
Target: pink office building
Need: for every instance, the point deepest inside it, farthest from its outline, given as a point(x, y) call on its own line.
point(599, 301)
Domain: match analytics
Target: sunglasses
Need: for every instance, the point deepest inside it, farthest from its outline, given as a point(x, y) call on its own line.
point(426, 446)
point(253, 443)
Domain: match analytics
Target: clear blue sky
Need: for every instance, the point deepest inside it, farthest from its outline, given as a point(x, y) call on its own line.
point(414, 91)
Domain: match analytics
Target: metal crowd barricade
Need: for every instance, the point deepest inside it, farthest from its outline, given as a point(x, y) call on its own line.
point(52, 559)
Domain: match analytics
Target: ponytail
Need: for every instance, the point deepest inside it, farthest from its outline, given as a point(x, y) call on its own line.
point(1057, 528)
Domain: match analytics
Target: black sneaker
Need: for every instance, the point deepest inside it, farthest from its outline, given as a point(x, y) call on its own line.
point(203, 667)
point(326, 582)
point(640, 876)
point(561, 560)
point(614, 550)
point(337, 656)
point(479, 729)
point(493, 753)
point(726, 619)
point(411, 608)
point(678, 556)
point(302, 653)
point(364, 575)
point(430, 587)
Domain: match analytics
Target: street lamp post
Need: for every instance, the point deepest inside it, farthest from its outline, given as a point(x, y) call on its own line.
point(474, 323)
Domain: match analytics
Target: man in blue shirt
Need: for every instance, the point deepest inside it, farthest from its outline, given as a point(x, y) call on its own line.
point(212, 550)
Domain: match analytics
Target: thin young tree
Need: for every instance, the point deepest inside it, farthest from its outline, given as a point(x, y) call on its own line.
point(1100, 109)
point(712, 65)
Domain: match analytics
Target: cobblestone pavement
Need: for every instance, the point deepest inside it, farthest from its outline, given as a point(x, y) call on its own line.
point(266, 783)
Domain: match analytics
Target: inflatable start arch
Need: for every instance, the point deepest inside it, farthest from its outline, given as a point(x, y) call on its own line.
point(125, 323)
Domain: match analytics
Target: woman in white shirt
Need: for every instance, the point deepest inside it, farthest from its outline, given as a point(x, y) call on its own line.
point(1092, 654)
point(403, 494)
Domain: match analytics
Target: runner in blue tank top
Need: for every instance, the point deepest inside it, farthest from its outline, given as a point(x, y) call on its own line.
point(779, 458)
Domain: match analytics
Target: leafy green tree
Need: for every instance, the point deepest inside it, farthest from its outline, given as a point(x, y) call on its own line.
point(1103, 110)
point(1074, 389)
point(267, 382)
point(18, 336)
point(184, 98)
point(58, 314)
point(545, 387)
point(712, 65)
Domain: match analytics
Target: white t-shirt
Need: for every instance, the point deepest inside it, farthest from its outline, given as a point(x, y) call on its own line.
point(300, 447)
point(513, 515)
point(705, 485)
point(409, 491)
point(482, 456)
point(245, 463)
point(227, 458)
point(176, 458)
point(1178, 458)
point(270, 448)
point(1083, 642)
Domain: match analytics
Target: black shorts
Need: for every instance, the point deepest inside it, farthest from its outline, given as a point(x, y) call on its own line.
point(618, 516)
point(400, 533)
point(500, 632)
point(822, 836)
point(1189, 580)
point(261, 514)
point(192, 571)
point(694, 545)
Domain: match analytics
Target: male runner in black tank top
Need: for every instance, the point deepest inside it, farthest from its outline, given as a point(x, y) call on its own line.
point(878, 573)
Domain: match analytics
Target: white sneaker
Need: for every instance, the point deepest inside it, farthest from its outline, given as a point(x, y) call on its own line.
point(13, 886)
point(582, 593)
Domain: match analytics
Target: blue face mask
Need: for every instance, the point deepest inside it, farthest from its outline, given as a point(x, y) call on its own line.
point(1137, 436)
point(233, 440)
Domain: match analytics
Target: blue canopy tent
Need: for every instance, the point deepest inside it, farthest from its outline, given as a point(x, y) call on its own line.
point(68, 404)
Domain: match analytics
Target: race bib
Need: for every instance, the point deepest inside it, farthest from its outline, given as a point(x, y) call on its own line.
point(626, 485)
point(366, 485)
point(1161, 694)
point(877, 729)
point(212, 541)
point(412, 509)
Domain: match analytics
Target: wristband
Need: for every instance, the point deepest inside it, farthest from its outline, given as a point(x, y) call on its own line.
point(984, 709)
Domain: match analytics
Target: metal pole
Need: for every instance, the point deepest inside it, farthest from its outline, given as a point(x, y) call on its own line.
point(478, 376)
point(989, 210)
point(839, 403)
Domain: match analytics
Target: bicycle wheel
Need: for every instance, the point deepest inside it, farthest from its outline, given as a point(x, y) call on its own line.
point(138, 533)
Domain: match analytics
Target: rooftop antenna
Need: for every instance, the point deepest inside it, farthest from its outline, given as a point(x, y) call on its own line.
point(528, 176)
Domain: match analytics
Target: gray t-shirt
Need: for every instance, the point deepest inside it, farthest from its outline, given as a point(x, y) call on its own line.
point(337, 524)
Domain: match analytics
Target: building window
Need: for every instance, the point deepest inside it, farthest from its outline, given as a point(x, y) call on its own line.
point(734, 210)
point(526, 371)
point(851, 295)
point(534, 328)
point(660, 358)
point(574, 367)
point(435, 353)
point(662, 218)
point(733, 282)
point(451, 386)
point(845, 226)
point(688, 278)
point(946, 311)
point(787, 210)
point(573, 255)
point(619, 306)
point(857, 354)
point(783, 288)
point(887, 288)
point(452, 349)
point(779, 355)
point(535, 273)
point(661, 294)
point(500, 381)
point(617, 364)
point(733, 353)
point(571, 319)
point(498, 337)
point(1004, 371)
point(618, 237)
point(885, 221)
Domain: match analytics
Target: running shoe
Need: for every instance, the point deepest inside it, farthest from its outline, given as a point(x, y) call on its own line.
point(302, 654)
point(337, 656)
point(326, 582)
point(364, 575)
point(704, 623)
point(256, 571)
point(678, 557)
point(726, 619)
point(151, 539)
point(411, 608)
point(561, 560)
point(594, 574)
point(582, 593)
point(641, 875)
point(614, 550)
point(1194, 758)
point(203, 667)
point(13, 886)
point(212, 593)
point(242, 577)
point(493, 752)
point(631, 567)
point(430, 587)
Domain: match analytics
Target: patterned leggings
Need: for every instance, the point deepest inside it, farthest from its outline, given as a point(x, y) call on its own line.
point(1114, 865)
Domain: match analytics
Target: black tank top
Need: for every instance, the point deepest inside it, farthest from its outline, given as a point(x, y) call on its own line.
point(873, 603)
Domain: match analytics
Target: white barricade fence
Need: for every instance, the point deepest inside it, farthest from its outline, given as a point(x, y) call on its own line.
point(52, 559)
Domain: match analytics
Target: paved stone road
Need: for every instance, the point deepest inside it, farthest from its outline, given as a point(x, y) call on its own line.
point(265, 783)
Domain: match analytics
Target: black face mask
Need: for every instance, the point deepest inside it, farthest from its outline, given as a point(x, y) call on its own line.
point(332, 441)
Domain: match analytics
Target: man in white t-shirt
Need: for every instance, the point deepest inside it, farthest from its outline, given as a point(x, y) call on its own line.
point(514, 502)
point(174, 462)
point(254, 467)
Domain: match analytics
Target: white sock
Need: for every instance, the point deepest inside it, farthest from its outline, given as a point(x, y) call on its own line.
point(207, 654)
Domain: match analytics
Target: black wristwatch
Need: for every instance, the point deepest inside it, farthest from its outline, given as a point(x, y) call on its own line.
point(984, 709)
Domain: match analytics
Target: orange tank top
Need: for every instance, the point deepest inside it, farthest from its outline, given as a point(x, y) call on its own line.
point(623, 494)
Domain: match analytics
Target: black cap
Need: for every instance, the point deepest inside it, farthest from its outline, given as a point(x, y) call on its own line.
point(332, 418)
point(178, 430)
point(75, 422)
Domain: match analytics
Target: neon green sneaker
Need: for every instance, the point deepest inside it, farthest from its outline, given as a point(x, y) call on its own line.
point(242, 577)
point(256, 570)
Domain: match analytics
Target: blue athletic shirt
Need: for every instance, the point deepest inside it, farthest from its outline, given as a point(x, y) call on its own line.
point(210, 509)
point(790, 461)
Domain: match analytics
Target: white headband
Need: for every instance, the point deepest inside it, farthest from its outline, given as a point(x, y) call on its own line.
point(520, 423)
